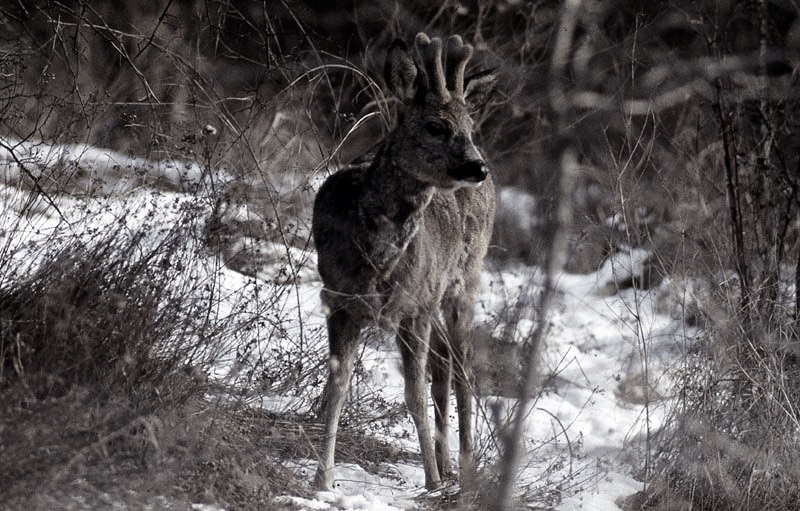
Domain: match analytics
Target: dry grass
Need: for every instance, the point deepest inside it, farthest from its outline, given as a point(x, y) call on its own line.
point(84, 450)
point(104, 351)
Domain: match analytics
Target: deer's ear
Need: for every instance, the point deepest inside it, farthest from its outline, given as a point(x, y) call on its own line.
point(479, 88)
point(400, 71)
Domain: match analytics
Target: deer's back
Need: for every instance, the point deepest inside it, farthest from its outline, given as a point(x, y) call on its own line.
point(444, 253)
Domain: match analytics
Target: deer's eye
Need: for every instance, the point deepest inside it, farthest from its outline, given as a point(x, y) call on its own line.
point(436, 128)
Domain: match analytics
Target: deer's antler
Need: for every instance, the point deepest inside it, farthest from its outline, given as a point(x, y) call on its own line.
point(458, 54)
point(430, 52)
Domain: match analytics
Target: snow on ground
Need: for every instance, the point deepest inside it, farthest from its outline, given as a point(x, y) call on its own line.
point(604, 365)
point(587, 431)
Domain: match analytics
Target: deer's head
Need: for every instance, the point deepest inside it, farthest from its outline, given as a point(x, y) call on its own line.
point(433, 139)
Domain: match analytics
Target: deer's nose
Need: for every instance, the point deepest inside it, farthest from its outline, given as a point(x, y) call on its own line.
point(473, 171)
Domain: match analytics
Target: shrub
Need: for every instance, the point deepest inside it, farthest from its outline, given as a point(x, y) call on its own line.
point(105, 313)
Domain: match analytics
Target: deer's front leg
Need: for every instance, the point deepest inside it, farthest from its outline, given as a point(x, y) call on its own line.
point(458, 316)
point(441, 374)
point(343, 332)
point(412, 339)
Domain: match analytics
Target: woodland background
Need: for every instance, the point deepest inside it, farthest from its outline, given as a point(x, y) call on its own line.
point(683, 118)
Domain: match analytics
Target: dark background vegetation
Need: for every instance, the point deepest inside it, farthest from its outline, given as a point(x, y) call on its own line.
point(684, 116)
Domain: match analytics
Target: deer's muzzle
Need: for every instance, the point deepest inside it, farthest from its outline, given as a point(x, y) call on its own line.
point(473, 171)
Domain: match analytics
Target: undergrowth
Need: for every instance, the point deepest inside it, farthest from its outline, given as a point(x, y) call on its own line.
point(111, 324)
point(104, 314)
point(90, 448)
point(731, 443)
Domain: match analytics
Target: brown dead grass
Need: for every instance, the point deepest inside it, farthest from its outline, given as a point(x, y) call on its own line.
point(84, 451)
point(89, 450)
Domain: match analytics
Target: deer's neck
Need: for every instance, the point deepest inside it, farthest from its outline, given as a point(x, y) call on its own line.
point(392, 208)
point(392, 192)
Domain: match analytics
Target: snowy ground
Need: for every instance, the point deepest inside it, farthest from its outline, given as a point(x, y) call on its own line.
point(605, 363)
point(587, 432)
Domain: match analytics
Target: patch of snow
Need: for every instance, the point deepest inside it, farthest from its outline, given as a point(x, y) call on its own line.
point(206, 507)
point(603, 494)
point(397, 487)
point(518, 207)
point(101, 171)
point(622, 266)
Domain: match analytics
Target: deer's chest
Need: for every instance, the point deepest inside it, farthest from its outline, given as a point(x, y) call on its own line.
point(427, 262)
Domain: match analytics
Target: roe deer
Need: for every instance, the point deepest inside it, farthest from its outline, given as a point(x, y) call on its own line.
point(401, 243)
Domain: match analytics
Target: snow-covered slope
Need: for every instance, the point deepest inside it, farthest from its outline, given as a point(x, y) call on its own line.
point(605, 364)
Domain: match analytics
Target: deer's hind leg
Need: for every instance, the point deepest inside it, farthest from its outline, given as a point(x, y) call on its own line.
point(343, 331)
point(412, 339)
point(441, 378)
point(457, 309)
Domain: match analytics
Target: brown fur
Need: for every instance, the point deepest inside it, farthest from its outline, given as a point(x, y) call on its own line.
point(401, 244)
